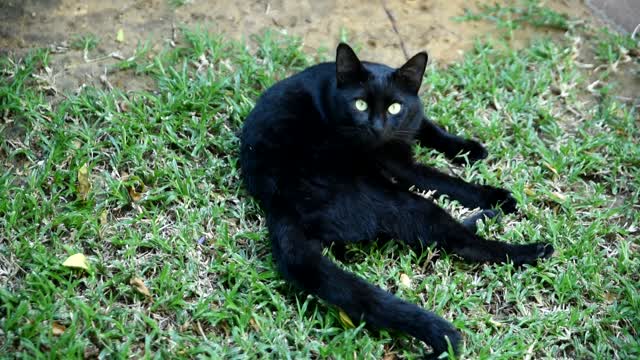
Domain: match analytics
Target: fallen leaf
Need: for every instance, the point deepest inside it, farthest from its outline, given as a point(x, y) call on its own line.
point(495, 323)
point(389, 356)
point(559, 195)
point(120, 35)
point(78, 261)
point(548, 166)
point(405, 280)
point(135, 196)
point(83, 182)
point(609, 297)
point(103, 217)
point(529, 191)
point(254, 324)
point(91, 352)
point(139, 285)
point(346, 320)
point(57, 329)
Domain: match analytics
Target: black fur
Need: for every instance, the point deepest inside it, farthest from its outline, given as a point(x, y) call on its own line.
point(326, 172)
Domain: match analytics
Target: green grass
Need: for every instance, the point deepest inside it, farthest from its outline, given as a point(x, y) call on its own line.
point(84, 42)
point(572, 164)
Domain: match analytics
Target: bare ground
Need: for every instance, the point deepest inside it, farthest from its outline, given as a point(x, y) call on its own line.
point(419, 25)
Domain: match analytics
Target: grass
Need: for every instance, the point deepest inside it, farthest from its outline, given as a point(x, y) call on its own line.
point(84, 42)
point(166, 206)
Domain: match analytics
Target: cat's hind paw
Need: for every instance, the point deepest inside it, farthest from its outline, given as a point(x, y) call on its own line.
point(471, 222)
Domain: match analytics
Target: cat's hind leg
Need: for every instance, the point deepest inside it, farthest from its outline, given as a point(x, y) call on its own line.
point(299, 259)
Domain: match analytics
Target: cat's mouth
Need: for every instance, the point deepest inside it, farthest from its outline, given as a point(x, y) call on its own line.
point(370, 137)
point(394, 135)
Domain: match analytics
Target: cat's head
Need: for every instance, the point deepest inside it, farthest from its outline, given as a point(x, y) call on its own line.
point(381, 102)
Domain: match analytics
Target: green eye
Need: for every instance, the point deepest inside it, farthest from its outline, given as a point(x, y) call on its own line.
point(361, 105)
point(394, 108)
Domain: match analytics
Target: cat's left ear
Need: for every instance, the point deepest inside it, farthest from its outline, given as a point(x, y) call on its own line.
point(348, 66)
point(411, 73)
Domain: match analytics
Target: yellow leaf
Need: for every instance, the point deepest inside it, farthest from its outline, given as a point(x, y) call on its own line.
point(346, 320)
point(559, 195)
point(57, 329)
point(120, 36)
point(83, 182)
point(553, 170)
point(405, 280)
point(103, 217)
point(495, 323)
point(78, 261)
point(529, 191)
point(139, 285)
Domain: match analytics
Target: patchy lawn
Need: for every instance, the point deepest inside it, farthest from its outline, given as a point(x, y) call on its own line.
point(146, 185)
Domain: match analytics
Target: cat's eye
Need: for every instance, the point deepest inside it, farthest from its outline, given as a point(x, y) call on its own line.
point(394, 108)
point(361, 105)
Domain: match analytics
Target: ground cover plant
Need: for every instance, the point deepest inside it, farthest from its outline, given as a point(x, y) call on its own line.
point(146, 186)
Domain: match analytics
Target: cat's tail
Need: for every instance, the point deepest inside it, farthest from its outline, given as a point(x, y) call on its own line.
point(300, 260)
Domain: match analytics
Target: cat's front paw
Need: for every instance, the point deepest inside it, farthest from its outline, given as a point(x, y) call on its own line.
point(530, 254)
point(474, 152)
point(441, 335)
point(502, 199)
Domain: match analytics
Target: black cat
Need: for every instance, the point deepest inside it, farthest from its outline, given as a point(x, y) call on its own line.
point(328, 155)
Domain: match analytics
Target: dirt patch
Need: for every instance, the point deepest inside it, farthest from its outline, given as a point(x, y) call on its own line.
point(421, 25)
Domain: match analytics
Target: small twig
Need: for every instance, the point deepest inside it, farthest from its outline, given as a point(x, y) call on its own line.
point(395, 28)
point(105, 81)
point(635, 32)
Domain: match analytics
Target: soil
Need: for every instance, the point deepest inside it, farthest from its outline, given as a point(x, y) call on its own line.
point(420, 25)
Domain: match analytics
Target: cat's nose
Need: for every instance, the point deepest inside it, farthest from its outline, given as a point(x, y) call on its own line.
point(378, 124)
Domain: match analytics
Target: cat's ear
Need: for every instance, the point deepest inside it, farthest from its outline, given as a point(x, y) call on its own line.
point(348, 66)
point(411, 73)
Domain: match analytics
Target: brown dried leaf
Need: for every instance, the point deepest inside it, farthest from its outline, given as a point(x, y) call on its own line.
point(610, 297)
point(140, 287)
point(136, 196)
point(254, 324)
point(58, 329)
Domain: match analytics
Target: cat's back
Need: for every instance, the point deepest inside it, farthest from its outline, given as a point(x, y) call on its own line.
point(289, 111)
point(284, 124)
point(296, 99)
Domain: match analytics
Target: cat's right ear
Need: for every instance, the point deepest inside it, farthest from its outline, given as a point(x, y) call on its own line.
point(348, 67)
